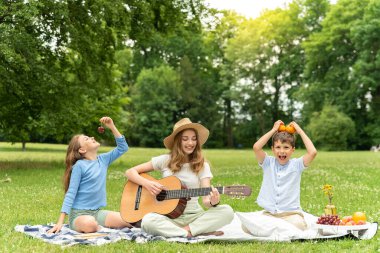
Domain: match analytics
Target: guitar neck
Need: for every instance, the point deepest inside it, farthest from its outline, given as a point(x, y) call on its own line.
point(187, 193)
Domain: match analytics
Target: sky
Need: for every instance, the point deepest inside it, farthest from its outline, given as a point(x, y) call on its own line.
point(247, 8)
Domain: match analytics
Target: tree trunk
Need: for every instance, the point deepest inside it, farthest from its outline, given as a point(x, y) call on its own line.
point(23, 146)
point(227, 123)
point(376, 101)
point(276, 99)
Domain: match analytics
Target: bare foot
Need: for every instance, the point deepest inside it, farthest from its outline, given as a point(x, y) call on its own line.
point(187, 228)
point(216, 233)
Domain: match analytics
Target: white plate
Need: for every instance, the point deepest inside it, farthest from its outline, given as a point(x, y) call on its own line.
point(336, 227)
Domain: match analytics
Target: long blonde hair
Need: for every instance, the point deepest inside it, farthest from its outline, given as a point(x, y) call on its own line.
point(72, 156)
point(178, 157)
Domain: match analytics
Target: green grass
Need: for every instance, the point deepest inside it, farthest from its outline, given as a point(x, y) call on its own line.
point(34, 196)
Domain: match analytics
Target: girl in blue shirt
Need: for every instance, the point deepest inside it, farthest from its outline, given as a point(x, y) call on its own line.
point(85, 183)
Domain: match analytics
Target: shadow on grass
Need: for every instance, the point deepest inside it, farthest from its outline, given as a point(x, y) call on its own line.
point(300, 241)
point(9, 165)
point(32, 149)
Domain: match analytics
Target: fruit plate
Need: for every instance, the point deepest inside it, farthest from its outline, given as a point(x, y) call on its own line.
point(343, 228)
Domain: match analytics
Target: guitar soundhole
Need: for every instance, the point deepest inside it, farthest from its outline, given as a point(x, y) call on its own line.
point(161, 196)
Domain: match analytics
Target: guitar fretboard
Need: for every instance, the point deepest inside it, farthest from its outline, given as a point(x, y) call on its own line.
point(187, 193)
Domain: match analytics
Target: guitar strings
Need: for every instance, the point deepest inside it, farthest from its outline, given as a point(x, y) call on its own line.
point(186, 193)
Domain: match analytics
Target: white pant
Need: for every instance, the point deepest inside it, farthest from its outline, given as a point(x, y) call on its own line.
point(199, 221)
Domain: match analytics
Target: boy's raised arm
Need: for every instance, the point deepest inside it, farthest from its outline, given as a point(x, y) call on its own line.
point(258, 146)
point(311, 151)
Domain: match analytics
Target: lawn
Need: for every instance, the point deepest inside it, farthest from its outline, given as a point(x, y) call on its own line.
point(34, 196)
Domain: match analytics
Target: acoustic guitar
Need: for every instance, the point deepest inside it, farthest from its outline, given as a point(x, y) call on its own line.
point(136, 201)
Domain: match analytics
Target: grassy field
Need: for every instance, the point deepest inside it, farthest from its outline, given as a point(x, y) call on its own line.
point(34, 196)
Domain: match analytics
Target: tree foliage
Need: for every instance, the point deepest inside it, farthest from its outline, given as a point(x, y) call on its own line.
point(217, 41)
point(170, 33)
point(331, 129)
point(155, 99)
point(333, 59)
point(366, 73)
point(56, 58)
point(267, 53)
point(63, 64)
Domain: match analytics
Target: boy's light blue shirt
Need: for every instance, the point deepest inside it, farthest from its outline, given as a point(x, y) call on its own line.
point(87, 189)
point(280, 189)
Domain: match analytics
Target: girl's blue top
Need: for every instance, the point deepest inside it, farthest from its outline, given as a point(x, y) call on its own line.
point(87, 188)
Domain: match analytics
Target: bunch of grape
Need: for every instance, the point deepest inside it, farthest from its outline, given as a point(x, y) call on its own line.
point(328, 219)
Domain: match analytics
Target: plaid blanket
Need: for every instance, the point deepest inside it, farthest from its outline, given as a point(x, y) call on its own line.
point(67, 237)
point(232, 232)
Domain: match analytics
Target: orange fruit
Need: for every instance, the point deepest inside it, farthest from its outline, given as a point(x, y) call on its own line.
point(359, 216)
point(290, 129)
point(282, 128)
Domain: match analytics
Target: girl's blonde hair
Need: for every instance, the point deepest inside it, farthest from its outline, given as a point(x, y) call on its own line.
point(178, 157)
point(72, 156)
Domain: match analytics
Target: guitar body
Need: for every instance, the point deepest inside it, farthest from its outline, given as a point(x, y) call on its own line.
point(136, 201)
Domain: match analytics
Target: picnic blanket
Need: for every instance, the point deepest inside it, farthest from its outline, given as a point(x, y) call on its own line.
point(251, 226)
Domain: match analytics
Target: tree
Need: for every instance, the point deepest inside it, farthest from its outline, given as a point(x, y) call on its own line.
point(199, 93)
point(170, 33)
point(25, 62)
point(155, 99)
point(56, 57)
point(331, 129)
point(365, 86)
point(331, 55)
point(216, 40)
point(162, 32)
point(267, 52)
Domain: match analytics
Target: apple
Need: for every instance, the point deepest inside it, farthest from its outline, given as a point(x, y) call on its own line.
point(101, 129)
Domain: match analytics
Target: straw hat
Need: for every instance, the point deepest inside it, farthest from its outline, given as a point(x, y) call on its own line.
point(183, 124)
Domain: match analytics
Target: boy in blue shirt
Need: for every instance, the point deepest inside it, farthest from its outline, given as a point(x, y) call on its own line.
point(280, 190)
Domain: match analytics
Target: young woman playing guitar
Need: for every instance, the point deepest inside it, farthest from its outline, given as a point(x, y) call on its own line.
point(186, 162)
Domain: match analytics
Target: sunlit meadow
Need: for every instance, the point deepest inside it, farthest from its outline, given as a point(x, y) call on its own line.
point(31, 193)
